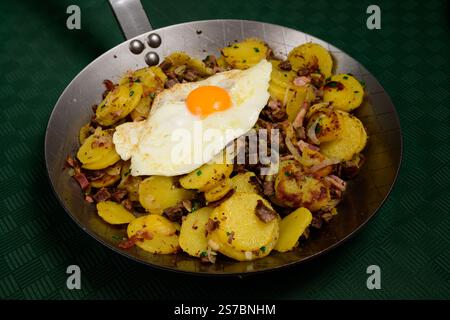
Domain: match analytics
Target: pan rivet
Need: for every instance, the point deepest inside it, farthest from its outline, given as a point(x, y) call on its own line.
point(154, 40)
point(151, 58)
point(136, 46)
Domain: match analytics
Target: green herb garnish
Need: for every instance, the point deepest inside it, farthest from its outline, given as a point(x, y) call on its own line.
point(198, 173)
point(131, 93)
point(256, 49)
point(287, 174)
point(203, 254)
point(345, 77)
point(263, 249)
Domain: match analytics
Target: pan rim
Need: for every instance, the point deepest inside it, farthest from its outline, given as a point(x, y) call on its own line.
point(220, 274)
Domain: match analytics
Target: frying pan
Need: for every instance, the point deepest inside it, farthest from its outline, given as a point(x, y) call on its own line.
point(143, 45)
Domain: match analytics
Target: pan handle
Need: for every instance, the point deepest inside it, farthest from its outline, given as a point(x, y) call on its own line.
point(131, 17)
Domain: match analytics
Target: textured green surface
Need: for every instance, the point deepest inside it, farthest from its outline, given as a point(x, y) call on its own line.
point(409, 239)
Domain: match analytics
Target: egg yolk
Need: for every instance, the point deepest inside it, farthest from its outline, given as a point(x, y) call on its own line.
point(206, 100)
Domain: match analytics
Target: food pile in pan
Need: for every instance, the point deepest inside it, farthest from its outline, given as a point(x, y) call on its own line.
point(125, 169)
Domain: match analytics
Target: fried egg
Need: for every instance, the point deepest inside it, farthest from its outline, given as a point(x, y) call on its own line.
point(190, 123)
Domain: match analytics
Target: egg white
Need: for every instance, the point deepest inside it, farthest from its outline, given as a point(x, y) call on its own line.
point(173, 141)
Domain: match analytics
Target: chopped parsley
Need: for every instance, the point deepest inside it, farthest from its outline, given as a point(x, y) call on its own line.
point(318, 128)
point(131, 93)
point(345, 77)
point(363, 83)
point(287, 174)
point(263, 249)
point(152, 95)
point(195, 205)
point(203, 254)
point(228, 234)
point(198, 173)
point(137, 80)
point(256, 49)
point(127, 173)
point(244, 61)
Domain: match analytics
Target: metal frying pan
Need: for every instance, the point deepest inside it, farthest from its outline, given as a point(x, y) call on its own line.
point(365, 194)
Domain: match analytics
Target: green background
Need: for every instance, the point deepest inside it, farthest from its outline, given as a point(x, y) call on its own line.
point(409, 238)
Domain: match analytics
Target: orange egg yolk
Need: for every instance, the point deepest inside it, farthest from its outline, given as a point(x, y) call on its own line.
point(206, 100)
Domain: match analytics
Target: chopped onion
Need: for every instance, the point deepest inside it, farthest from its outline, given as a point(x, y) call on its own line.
point(323, 164)
point(312, 131)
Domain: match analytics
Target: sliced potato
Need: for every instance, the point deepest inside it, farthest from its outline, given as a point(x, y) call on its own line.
point(238, 220)
point(296, 100)
point(310, 55)
point(193, 233)
point(118, 103)
point(84, 132)
point(294, 189)
point(245, 54)
point(105, 181)
point(325, 126)
point(180, 58)
point(206, 176)
point(158, 243)
point(241, 255)
point(242, 182)
point(161, 225)
point(97, 151)
point(281, 78)
point(157, 193)
point(218, 191)
point(318, 107)
point(142, 109)
point(344, 92)
point(152, 78)
point(291, 228)
point(351, 140)
point(114, 213)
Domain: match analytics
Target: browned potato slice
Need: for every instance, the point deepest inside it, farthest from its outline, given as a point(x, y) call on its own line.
point(245, 54)
point(323, 127)
point(218, 191)
point(118, 103)
point(291, 228)
point(352, 139)
point(310, 56)
point(239, 225)
point(157, 193)
point(242, 182)
point(344, 92)
point(114, 213)
point(105, 181)
point(193, 232)
point(295, 189)
point(207, 176)
point(97, 151)
point(154, 239)
point(84, 132)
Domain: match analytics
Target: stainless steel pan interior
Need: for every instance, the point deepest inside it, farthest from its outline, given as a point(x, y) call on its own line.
point(365, 195)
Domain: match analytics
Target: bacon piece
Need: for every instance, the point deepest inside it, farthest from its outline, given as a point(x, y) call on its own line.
point(102, 195)
point(211, 225)
point(302, 81)
point(82, 180)
point(118, 195)
point(298, 121)
point(140, 235)
point(264, 213)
